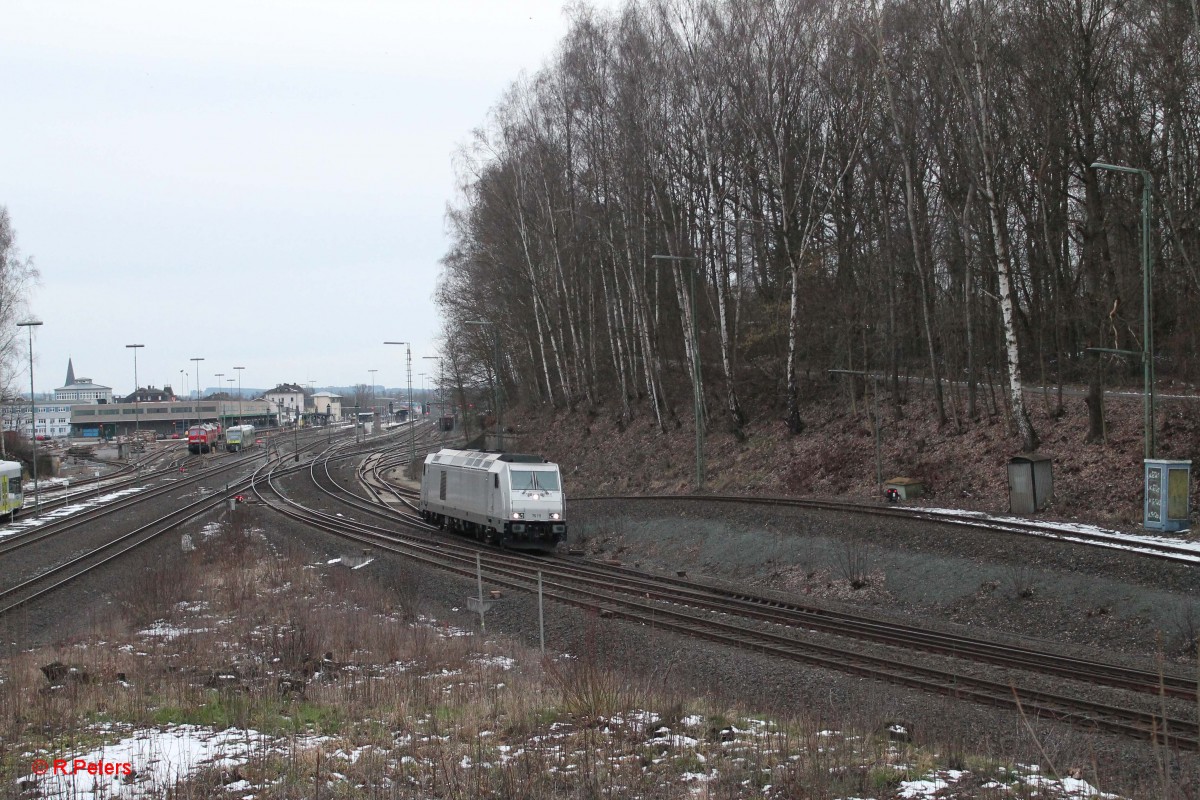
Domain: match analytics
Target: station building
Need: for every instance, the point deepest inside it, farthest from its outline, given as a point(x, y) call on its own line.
point(109, 420)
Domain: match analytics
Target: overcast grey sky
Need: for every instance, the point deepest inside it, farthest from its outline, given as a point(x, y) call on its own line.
point(256, 183)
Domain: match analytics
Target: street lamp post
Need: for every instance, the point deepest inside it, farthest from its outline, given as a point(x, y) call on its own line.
point(239, 372)
point(412, 425)
point(697, 392)
point(137, 413)
point(1147, 304)
point(30, 325)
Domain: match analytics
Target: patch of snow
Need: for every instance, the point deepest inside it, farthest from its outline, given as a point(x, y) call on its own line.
point(503, 662)
point(56, 514)
point(166, 631)
point(922, 788)
point(1115, 540)
point(159, 759)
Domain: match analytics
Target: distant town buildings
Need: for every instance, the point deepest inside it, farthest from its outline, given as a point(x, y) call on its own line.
point(83, 408)
point(52, 420)
point(328, 405)
point(81, 390)
point(287, 399)
point(150, 395)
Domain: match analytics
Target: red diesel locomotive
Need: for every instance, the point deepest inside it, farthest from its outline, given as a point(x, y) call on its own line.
point(203, 438)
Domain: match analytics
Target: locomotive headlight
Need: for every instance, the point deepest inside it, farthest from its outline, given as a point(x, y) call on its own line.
point(518, 515)
point(555, 515)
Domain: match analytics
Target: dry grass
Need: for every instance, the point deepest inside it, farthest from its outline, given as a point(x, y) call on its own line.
point(355, 695)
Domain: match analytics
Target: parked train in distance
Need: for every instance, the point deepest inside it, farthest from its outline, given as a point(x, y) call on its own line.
point(203, 438)
point(509, 499)
point(12, 498)
point(239, 437)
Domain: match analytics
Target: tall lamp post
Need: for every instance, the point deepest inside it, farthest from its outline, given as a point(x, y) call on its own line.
point(1147, 304)
point(187, 392)
point(30, 325)
point(221, 407)
point(198, 360)
point(697, 393)
point(412, 424)
point(372, 395)
point(498, 389)
point(137, 412)
point(441, 396)
point(239, 372)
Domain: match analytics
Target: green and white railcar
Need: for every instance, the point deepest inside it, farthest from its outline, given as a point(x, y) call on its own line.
point(239, 437)
point(12, 497)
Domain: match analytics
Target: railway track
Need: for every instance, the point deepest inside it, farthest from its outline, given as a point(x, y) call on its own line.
point(54, 497)
point(85, 516)
point(1139, 545)
point(25, 591)
point(766, 626)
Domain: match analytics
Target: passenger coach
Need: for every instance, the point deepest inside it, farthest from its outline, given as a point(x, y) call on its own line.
point(507, 498)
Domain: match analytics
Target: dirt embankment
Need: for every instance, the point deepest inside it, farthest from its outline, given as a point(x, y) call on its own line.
point(962, 465)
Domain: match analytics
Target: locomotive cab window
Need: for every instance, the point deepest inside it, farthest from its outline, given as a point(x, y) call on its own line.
point(496, 480)
point(524, 480)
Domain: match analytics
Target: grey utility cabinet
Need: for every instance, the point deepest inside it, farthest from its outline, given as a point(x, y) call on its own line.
point(1030, 483)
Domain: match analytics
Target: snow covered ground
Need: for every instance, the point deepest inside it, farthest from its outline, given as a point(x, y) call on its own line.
point(1118, 540)
point(160, 760)
point(55, 514)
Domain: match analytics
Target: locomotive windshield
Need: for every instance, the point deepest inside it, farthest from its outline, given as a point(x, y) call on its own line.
point(524, 480)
